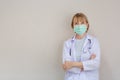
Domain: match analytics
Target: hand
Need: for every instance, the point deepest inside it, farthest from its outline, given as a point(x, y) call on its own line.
point(67, 65)
point(93, 56)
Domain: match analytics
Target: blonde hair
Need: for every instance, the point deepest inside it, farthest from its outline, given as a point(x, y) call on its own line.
point(79, 17)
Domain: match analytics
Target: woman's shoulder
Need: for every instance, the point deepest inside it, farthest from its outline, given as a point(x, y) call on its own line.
point(69, 40)
point(91, 36)
point(67, 43)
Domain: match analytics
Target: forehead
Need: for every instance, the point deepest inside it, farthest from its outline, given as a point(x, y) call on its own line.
point(79, 20)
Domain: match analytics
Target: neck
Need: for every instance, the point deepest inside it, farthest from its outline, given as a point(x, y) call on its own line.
point(80, 36)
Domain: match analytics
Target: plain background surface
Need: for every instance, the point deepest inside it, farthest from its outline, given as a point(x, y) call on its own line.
point(32, 33)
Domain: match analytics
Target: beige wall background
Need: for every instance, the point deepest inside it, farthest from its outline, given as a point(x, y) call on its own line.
point(32, 33)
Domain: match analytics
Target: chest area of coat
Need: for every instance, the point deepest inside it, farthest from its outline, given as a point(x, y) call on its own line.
point(83, 54)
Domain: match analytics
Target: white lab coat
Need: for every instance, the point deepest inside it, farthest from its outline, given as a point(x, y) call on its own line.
point(91, 67)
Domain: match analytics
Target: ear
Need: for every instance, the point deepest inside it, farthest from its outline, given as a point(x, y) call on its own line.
point(87, 25)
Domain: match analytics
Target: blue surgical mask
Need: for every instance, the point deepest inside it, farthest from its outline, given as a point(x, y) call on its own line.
point(80, 29)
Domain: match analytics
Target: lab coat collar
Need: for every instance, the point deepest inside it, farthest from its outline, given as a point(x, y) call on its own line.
point(88, 37)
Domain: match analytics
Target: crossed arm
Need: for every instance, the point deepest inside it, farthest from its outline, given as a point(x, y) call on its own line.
point(69, 64)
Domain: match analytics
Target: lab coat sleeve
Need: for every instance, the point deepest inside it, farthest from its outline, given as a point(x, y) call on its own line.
point(94, 63)
point(67, 57)
point(66, 52)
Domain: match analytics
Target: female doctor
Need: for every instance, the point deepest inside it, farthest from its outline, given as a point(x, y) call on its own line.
point(81, 53)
